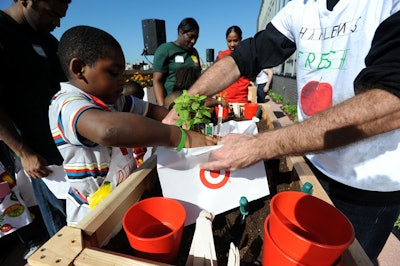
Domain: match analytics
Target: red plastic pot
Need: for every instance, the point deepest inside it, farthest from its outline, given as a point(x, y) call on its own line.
point(308, 229)
point(225, 112)
point(154, 228)
point(272, 254)
point(250, 110)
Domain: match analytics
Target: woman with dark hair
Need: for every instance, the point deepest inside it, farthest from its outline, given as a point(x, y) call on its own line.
point(171, 56)
point(238, 91)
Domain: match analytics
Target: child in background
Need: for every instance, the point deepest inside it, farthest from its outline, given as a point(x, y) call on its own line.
point(169, 100)
point(185, 77)
point(133, 88)
point(92, 122)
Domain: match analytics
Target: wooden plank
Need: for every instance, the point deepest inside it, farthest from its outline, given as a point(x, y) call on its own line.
point(59, 250)
point(305, 174)
point(252, 93)
point(269, 116)
point(105, 220)
point(95, 256)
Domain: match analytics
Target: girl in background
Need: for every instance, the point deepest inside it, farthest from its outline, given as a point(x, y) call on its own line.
point(238, 91)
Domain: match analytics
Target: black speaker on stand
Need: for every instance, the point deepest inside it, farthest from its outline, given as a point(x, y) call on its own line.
point(153, 35)
point(210, 55)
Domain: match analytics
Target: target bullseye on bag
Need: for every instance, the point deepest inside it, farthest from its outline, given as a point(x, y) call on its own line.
point(182, 178)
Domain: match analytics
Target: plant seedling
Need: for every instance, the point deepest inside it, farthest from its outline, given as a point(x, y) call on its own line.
point(191, 110)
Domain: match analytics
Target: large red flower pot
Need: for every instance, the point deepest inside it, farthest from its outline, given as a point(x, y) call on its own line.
point(308, 229)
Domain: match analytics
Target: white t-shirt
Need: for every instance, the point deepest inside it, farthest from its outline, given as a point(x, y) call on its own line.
point(325, 74)
point(262, 77)
point(87, 165)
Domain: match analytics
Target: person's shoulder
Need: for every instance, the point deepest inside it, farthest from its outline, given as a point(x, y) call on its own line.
point(195, 52)
point(222, 54)
point(5, 20)
point(69, 93)
point(164, 50)
point(8, 27)
point(165, 46)
point(52, 39)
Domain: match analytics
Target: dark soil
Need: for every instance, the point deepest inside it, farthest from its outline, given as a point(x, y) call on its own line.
point(227, 227)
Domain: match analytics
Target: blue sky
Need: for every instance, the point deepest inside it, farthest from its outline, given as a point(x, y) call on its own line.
point(123, 19)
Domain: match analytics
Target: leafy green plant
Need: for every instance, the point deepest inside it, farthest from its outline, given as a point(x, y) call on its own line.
point(191, 110)
point(286, 102)
point(397, 223)
point(276, 97)
point(291, 111)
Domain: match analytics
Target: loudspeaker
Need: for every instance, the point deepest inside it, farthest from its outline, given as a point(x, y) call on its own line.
point(210, 55)
point(153, 35)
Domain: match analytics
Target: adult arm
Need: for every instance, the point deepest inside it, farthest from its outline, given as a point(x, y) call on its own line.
point(374, 110)
point(360, 117)
point(158, 85)
point(33, 163)
point(270, 75)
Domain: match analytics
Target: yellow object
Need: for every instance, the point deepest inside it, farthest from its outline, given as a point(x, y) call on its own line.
point(100, 194)
point(7, 178)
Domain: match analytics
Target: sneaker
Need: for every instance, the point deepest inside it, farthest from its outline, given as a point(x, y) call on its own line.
point(30, 251)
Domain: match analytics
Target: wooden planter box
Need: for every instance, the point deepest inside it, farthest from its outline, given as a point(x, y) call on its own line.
point(82, 244)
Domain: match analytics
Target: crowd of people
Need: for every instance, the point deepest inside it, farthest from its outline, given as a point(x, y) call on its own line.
point(81, 117)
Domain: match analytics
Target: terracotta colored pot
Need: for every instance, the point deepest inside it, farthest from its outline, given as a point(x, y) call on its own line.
point(308, 229)
point(154, 228)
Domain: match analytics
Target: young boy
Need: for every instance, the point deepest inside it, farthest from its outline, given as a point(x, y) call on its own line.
point(92, 122)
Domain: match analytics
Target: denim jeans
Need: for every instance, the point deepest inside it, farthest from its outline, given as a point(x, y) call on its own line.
point(372, 224)
point(34, 233)
point(52, 209)
point(373, 219)
point(261, 94)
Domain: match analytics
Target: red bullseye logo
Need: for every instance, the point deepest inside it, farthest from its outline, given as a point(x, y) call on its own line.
point(214, 179)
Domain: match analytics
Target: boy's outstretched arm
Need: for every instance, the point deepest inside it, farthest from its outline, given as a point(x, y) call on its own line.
point(157, 112)
point(119, 129)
